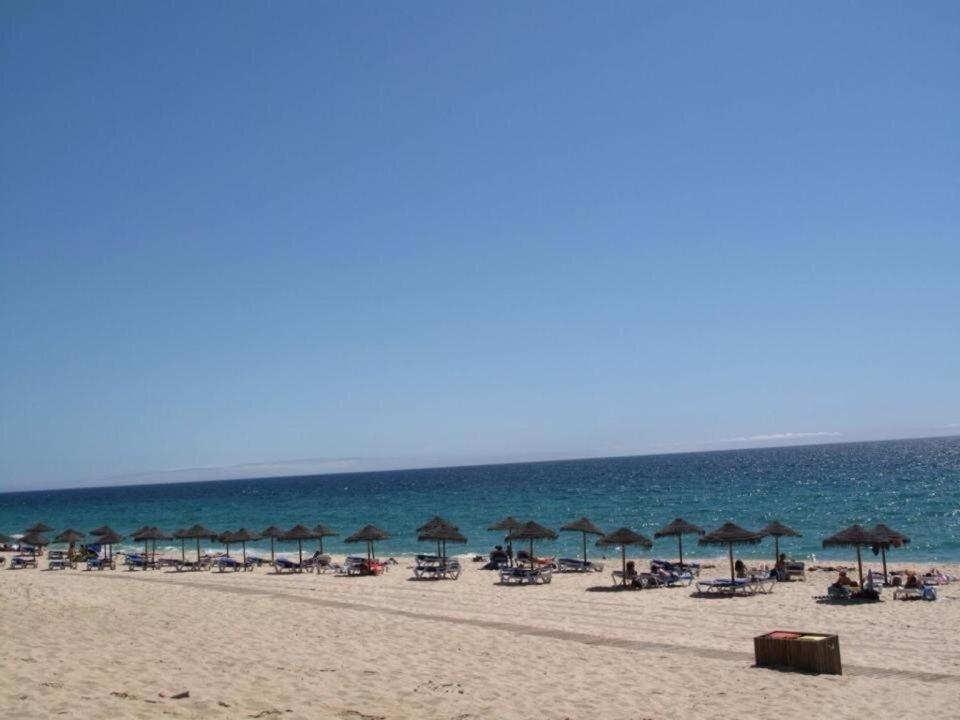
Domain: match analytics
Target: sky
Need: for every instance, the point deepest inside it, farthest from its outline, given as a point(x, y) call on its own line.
point(248, 239)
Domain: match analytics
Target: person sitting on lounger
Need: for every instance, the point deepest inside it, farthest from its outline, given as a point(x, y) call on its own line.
point(498, 559)
point(780, 569)
point(843, 580)
point(740, 569)
point(913, 581)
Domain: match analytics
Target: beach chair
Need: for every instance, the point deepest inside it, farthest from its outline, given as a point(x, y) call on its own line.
point(575, 565)
point(99, 563)
point(23, 561)
point(692, 569)
point(526, 575)
point(796, 571)
point(224, 564)
point(282, 565)
point(725, 586)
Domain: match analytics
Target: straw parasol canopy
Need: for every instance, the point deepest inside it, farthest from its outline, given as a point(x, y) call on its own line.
point(109, 539)
point(34, 540)
point(532, 531)
point(274, 533)
point(507, 525)
point(441, 534)
point(243, 536)
point(777, 530)
point(585, 527)
point(856, 536)
point(148, 533)
point(323, 531)
point(227, 537)
point(435, 520)
point(39, 528)
point(623, 537)
point(893, 538)
point(730, 534)
point(678, 528)
point(102, 530)
point(195, 532)
point(368, 534)
point(70, 536)
point(299, 533)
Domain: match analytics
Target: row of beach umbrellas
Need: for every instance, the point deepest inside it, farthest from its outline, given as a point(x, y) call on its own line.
point(729, 534)
point(442, 531)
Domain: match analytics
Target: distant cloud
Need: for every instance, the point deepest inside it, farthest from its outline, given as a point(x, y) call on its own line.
point(782, 436)
point(949, 426)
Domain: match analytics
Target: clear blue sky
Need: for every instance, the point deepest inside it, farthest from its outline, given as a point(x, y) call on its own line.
point(371, 234)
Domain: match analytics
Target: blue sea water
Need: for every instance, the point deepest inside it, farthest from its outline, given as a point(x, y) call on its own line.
point(911, 485)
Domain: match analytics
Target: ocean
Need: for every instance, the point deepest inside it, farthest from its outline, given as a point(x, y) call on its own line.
point(911, 485)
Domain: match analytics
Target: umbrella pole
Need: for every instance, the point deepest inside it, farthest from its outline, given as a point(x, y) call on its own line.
point(300, 546)
point(146, 553)
point(680, 549)
point(732, 575)
point(243, 544)
point(183, 550)
point(531, 554)
point(883, 553)
point(623, 563)
point(860, 566)
point(321, 544)
point(584, 548)
point(776, 551)
point(198, 550)
point(272, 558)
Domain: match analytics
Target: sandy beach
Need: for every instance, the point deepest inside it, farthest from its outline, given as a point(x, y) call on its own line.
point(122, 644)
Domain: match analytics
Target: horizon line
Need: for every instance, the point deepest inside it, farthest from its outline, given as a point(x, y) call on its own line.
point(457, 466)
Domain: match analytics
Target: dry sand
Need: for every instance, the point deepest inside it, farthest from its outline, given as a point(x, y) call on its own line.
point(121, 644)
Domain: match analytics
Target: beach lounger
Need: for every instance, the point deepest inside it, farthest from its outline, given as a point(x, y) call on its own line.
point(692, 569)
point(796, 571)
point(23, 561)
point(744, 586)
point(99, 563)
point(431, 567)
point(526, 576)
point(224, 563)
point(58, 563)
point(574, 565)
point(281, 565)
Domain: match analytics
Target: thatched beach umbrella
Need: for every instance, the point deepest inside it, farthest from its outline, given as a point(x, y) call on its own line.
point(679, 527)
point(857, 536)
point(243, 536)
point(145, 535)
point(777, 530)
point(321, 531)
point(102, 530)
point(38, 528)
point(440, 533)
point(532, 531)
point(274, 533)
point(623, 537)
point(507, 526)
point(893, 538)
point(197, 532)
point(299, 533)
point(71, 537)
point(226, 537)
point(584, 527)
point(368, 534)
point(109, 538)
point(433, 523)
point(730, 534)
point(34, 540)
